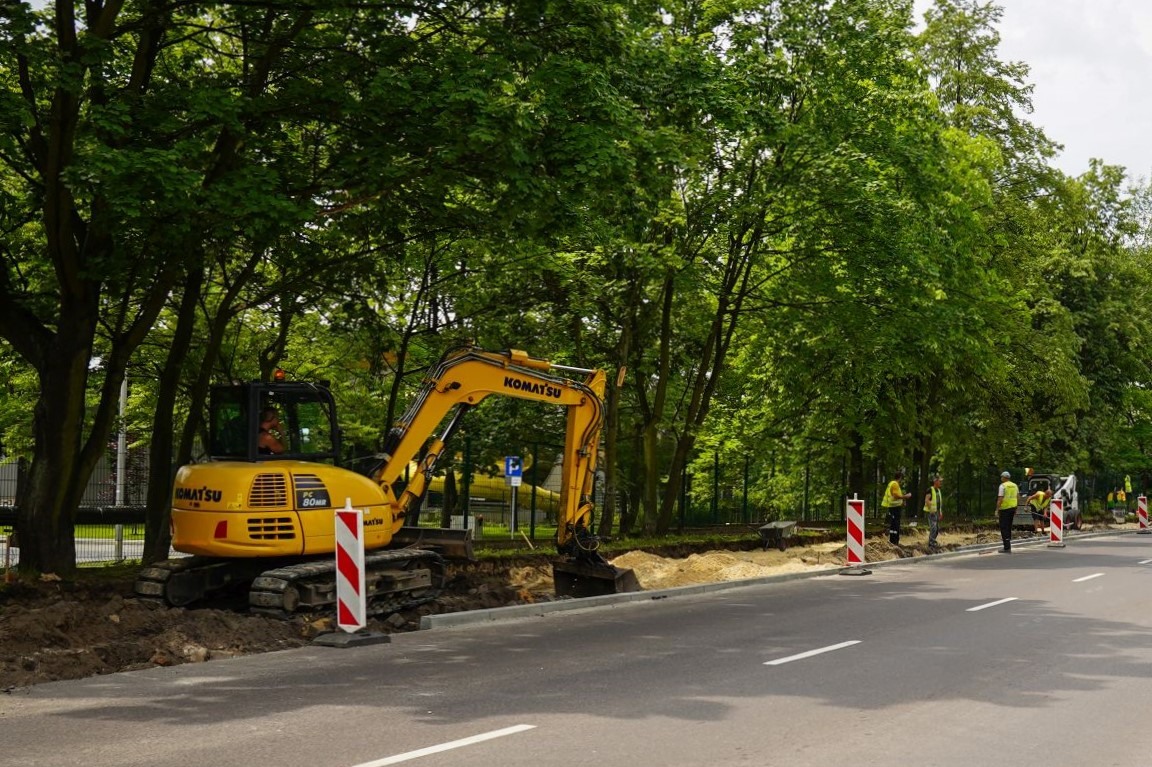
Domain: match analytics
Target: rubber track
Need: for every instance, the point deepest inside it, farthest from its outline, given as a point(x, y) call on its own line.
point(269, 587)
point(267, 591)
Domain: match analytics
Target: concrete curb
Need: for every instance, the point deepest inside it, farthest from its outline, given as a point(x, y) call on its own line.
point(516, 612)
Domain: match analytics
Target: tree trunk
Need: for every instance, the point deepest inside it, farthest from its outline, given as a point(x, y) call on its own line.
point(157, 531)
point(634, 492)
point(451, 497)
point(857, 481)
point(58, 472)
point(611, 433)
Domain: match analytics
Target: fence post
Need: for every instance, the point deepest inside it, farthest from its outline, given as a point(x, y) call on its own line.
point(467, 479)
point(716, 487)
point(807, 479)
point(535, 481)
point(744, 504)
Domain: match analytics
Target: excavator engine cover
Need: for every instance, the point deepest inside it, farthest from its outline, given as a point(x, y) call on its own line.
point(592, 579)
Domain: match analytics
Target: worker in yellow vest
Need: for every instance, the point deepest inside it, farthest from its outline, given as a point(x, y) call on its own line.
point(893, 502)
point(1038, 504)
point(934, 510)
point(1007, 497)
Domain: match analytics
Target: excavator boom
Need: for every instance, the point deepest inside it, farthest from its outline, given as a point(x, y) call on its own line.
point(465, 377)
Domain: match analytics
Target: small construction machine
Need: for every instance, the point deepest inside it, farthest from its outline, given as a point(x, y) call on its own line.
point(1063, 487)
point(249, 515)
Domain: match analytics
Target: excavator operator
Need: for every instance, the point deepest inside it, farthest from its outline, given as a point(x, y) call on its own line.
point(268, 441)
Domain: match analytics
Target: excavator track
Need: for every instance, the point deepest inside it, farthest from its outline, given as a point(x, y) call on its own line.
point(395, 580)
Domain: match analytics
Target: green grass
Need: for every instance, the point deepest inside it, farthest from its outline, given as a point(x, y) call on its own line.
point(108, 532)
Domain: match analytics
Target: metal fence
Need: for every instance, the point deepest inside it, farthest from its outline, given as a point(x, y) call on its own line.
point(727, 496)
point(110, 532)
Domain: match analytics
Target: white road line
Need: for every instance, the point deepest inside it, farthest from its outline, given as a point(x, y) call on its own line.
point(448, 746)
point(1088, 577)
point(990, 604)
point(810, 653)
point(1145, 562)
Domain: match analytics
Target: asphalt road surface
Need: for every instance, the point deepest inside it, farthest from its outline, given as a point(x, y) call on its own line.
point(1041, 657)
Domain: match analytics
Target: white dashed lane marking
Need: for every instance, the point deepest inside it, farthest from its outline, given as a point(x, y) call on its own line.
point(448, 746)
point(810, 653)
point(977, 608)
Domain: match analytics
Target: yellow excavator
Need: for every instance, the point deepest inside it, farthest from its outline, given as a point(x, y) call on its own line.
point(261, 510)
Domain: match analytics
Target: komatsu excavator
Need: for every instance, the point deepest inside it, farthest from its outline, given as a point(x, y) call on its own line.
point(252, 515)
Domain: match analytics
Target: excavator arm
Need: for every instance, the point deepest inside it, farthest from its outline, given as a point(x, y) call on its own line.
point(462, 379)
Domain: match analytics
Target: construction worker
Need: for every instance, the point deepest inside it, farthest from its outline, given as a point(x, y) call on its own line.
point(1006, 499)
point(933, 510)
point(1038, 502)
point(893, 501)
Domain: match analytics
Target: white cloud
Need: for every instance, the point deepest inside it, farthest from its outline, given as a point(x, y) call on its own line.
point(1089, 60)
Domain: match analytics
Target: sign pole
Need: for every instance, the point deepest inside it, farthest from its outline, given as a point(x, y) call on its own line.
point(514, 476)
point(1142, 515)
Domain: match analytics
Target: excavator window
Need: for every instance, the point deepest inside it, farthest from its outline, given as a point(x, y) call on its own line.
point(308, 427)
point(228, 426)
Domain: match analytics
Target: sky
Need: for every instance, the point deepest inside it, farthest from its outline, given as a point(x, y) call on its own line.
point(1091, 68)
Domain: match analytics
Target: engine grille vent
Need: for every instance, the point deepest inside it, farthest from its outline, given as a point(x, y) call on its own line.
point(271, 529)
point(308, 482)
point(269, 491)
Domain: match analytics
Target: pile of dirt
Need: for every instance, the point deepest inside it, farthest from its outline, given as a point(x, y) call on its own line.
point(52, 629)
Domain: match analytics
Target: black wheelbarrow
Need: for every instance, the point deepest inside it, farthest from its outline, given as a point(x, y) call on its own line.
point(777, 534)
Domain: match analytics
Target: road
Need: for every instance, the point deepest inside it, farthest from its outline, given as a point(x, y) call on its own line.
point(1041, 657)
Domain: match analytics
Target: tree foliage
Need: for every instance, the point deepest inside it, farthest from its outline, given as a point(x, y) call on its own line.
point(816, 241)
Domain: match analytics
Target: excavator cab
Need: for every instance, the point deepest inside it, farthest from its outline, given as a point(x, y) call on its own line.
point(307, 417)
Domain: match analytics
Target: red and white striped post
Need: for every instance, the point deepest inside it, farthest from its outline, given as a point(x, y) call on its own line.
point(1056, 524)
point(351, 601)
point(855, 517)
point(1142, 514)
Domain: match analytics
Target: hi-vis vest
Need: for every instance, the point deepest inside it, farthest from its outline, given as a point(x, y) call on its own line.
point(892, 496)
point(1011, 493)
point(1040, 503)
point(932, 502)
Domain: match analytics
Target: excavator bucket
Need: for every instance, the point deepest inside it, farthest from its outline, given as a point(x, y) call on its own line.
point(450, 544)
point(588, 579)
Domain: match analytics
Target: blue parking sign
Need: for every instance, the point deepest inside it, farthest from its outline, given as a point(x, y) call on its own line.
point(513, 469)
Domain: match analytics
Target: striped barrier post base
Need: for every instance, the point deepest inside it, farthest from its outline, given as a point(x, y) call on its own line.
point(855, 518)
point(1056, 524)
point(351, 600)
